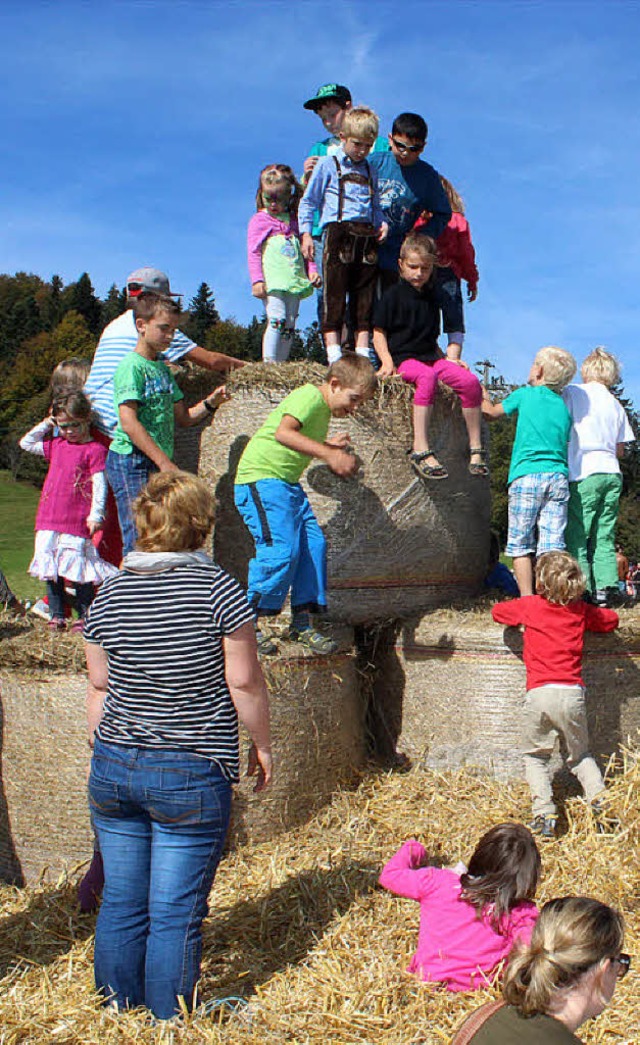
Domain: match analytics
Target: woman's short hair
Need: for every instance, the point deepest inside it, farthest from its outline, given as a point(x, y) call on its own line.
point(601, 366)
point(558, 366)
point(360, 123)
point(571, 935)
point(559, 578)
point(173, 513)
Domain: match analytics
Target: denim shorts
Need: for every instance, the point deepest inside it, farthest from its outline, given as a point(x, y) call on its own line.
point(537, 514)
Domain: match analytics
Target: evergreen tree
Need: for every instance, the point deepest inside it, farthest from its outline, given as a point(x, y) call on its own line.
point(114, 304)
point(80, 297)
point(201, 316)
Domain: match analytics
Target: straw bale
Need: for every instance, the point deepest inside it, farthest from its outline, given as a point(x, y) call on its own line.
point(450, 685)
point(397, 545)
point(318, 741)
point(300, 931)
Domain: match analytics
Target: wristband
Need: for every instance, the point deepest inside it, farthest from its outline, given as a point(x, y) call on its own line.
point(209, 407)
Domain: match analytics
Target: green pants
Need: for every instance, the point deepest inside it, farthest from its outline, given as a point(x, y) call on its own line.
point(591, 525)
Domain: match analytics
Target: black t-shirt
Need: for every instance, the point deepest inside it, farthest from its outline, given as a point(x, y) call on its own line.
point(410, 319)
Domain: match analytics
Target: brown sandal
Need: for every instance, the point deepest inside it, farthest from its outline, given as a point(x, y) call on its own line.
point(479, 468)
point(419, 464)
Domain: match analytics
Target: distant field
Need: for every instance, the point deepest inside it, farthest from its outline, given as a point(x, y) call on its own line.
point(18, 503)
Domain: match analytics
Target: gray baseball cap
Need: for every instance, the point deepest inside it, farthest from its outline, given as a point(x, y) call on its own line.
point(149, 279)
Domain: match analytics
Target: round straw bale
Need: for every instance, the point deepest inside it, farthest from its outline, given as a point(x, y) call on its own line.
point(318, 742)
point(449, 687)
point(397, 545)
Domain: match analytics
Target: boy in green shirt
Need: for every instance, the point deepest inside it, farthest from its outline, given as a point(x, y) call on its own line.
point(290, 548)
point(538, 476)
point(149, 405)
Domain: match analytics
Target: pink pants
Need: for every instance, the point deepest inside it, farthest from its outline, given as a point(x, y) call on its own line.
point(425, 377)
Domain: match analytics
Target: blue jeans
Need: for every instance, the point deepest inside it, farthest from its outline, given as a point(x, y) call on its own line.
point(161, 819)
point(127, 475)
point(291, 552)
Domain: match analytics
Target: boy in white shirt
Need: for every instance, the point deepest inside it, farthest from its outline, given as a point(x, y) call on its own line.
point(599, 432)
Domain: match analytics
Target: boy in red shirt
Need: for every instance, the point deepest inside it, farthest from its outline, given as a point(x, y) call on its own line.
point(555, 620)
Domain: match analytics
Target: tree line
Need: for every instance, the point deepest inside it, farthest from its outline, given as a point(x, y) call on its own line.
point(43, 322)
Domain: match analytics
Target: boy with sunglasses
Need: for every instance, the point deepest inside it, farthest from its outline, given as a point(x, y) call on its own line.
point(407, 186)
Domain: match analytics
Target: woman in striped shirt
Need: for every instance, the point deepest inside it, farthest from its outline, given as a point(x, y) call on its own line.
point(172, 663)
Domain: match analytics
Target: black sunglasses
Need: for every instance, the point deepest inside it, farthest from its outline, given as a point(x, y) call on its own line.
point(403, 147)
point(623, 961)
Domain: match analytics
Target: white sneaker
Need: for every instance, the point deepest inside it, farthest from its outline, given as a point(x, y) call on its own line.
point(41, 609)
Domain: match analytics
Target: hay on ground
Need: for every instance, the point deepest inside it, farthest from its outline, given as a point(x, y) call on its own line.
point(299, 929)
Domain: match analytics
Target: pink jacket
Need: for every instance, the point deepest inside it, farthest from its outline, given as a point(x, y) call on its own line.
point(455, 249)
point(261, 226)
point(455, 946)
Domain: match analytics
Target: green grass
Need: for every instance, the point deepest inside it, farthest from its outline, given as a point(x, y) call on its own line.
point(18, 504)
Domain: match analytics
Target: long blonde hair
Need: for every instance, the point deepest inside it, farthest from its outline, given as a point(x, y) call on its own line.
point(571, 935)
point(455, 199)
point(279, 174)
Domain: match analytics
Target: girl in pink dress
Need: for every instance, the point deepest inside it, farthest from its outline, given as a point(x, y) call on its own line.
point(278, 273)
point(72, 506)
point(469, 919)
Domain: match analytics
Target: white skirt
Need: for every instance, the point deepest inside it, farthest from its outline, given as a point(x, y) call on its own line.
point(74, 558)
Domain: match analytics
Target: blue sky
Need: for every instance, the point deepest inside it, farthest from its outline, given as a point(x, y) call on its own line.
point(134, 133)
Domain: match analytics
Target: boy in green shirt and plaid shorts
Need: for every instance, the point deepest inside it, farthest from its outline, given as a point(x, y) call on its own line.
point(538, 476)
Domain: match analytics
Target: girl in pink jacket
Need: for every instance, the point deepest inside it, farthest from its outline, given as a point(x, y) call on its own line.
point(276, 266)
point(469, 921)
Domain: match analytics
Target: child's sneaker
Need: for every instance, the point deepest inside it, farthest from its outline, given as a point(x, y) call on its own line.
point(57, 624)
point(605, 823)
point(544, 826)
point(41, 609)
point(266, 645)
point(313, 640)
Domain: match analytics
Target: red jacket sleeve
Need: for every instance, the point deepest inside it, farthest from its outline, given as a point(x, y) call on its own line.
point(510, 612)
point(597, 618)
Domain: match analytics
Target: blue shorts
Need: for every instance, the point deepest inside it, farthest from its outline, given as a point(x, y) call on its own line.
point(537, 502)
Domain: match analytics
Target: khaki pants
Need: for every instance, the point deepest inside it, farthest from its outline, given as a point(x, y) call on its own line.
point(551, 712)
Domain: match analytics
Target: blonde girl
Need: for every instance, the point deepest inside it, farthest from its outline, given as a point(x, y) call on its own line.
point(276, 266)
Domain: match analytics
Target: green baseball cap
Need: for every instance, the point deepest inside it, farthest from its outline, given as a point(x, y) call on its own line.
point(329, 92)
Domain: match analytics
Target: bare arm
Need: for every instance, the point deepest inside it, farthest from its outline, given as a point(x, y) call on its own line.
point(620, 449)
point(339, 461)
point(98, 666)
point(186, 418)
point(381, 346)
point(491, 410)
point(249, 694)
point(213, 360)
point(140, 437)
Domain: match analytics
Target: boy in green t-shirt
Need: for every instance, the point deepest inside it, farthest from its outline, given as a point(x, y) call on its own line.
point(149, 405)
point(538, 476)
point(290, 548)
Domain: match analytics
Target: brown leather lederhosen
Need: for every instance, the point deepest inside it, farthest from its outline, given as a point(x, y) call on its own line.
point(349, 259)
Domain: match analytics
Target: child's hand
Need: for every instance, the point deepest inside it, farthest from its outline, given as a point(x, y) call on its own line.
point(341, 441)
point(342, 463)
point(315, 279)
point(93, 525)
point(472, 293)
point(218, 397)
point(259, 290)
point(387, 369)
point(308, 248)
point(383, 232)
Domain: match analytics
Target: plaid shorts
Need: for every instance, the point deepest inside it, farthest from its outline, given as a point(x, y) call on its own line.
point(537, 502)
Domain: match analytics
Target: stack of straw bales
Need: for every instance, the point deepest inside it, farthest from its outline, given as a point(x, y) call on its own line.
point(44, 823)
point(397, 545)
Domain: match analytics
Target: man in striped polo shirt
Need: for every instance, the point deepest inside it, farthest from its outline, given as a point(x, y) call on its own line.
point(121, 337)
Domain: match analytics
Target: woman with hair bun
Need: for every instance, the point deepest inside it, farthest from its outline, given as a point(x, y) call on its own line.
point(564, 976)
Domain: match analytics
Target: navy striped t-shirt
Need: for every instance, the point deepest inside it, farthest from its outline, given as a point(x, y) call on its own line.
point(163, 635)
